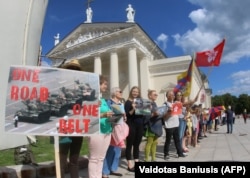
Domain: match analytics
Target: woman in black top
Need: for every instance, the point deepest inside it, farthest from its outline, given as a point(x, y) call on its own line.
point(136, 125)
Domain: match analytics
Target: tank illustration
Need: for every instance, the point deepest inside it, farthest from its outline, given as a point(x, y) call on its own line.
point(58, 105)
point(85, 91)
point(71, 96)
point(35, 112)
point(81, 92)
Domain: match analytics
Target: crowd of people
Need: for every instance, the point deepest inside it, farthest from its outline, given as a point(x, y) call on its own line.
point(184, 121)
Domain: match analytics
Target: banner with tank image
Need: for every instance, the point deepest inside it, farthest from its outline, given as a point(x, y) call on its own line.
point(52, 101)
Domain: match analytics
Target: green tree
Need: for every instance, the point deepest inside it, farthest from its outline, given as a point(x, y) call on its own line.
point(217, 100)
point(244, 102)
point(228, 100)
point(238, 103)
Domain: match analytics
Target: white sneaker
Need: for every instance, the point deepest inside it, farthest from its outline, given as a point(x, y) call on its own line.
point(185, 154)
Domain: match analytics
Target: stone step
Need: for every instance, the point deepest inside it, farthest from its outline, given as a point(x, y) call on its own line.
point(42, 170)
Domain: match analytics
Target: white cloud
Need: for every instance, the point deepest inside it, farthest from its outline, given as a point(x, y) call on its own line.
point(241, 83)
point(216, 20)
point(162, 41)
point(241, 78)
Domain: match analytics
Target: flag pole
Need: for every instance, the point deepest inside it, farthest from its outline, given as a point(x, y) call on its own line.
point(210, 70)
point(191, 102)
point(194, 56)
point(197, 95)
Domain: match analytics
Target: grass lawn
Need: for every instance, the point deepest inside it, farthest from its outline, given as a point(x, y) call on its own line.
point(43, 151)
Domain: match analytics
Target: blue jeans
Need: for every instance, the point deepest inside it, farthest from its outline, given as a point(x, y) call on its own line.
point(230, 127)
point(182, 128)
point(112, 160)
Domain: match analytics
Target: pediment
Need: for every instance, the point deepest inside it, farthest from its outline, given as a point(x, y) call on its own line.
point(87, 34)
point(89, 31)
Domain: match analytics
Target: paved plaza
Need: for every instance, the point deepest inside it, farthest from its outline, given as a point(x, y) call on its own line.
point(218, 146)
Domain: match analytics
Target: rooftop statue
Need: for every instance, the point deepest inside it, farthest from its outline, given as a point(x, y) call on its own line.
point(56, 39)
point(130, 13)
point(89, 14)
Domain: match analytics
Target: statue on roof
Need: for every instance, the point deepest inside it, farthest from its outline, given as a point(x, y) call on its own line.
point(89, 14)
point(130, 13)
point(56, 39)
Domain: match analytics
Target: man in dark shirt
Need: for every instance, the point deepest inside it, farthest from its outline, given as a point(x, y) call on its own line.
point(229, 116)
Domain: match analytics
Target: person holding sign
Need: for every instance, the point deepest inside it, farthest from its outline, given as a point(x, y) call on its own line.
point(154, 128)
point(99, 143)
point(70, 146)
point(171, 122)
point(118, 136)
point(136, 126)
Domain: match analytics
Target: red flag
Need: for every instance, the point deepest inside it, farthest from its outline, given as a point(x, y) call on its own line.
point(216, 111)
point(210, 57)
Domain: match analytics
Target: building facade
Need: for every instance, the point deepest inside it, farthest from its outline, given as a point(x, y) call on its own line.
point(128, 56)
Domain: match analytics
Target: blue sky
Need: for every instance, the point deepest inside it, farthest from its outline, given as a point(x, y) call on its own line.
point(179, 27)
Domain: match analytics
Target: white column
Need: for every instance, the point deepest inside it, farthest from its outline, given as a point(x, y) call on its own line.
point(98, 65)
point(132, 66)
point(114, 68)
point(145, 81)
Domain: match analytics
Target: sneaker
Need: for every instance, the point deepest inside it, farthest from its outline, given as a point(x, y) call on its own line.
point(181, 155)
point(131, 169)
point(166, 157)
point(185, 153)
point(115, 174)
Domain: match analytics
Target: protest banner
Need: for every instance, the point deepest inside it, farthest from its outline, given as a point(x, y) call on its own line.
point(52, 101)
point(142, 106)
point(176, 108)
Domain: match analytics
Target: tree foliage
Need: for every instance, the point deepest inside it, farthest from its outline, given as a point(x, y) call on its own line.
point(238, 104)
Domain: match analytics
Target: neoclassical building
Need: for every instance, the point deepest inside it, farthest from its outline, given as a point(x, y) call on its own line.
point(126, 53)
